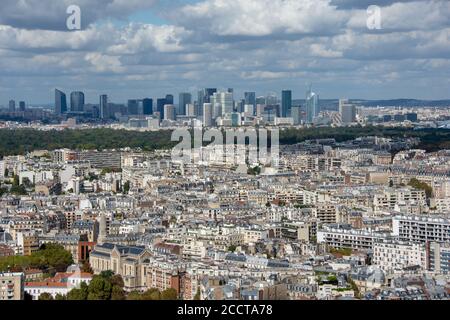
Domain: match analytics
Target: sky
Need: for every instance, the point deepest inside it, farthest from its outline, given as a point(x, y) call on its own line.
point(149, 48)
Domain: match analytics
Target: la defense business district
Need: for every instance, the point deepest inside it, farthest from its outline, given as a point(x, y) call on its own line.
point(290, 185)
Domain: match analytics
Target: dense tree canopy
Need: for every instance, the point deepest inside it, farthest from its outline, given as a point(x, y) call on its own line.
point(105, 286)
point(45, 296)
point(50, 257)
point(20, 141)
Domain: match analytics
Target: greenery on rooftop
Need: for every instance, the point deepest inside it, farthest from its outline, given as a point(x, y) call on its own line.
point(421, 186)
point(342, 251)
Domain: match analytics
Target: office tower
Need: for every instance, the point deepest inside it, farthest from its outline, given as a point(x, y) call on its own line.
point(169, 99)
point(225, 99)
point(286, 102)
point(77, 101)
point(239, 105)
point(399, 117)
point(185, 99)
point(312, 106)
point(235, 119)
point(12, 106)
point(260, 109)
point(249, 110)
point(230, 90)
point(387, 118)
point(22, 106)
point(347, 111)
point(209, 92)
point(216, 110)
point(60, 102)
point(200, 101)
point(261, 100)
point(104, 106)
point(140, 107)
point(269, 114)
point(160, 103)
point(411, 117)
point(207, 115)
point(271, 99)
point(133, 107)
point(250, 99)
point(296, 115)
point(169, 112)
point(190, 110)
point(147, 106)
point(204, 96)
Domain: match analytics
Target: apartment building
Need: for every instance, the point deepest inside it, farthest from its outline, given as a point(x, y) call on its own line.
point(12, 286)
point(27, 243)
point(390, 199)
point(391, 255)
point(421, 228)
point(343, 236)
point(438, 255)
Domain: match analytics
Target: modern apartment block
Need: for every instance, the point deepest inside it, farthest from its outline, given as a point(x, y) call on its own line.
point(421, 228)
point(12, 286)
point(392, 255)
point(342, 236)
point(438, 255)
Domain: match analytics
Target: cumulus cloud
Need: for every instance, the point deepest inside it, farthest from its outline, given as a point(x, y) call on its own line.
point(262, 17)
point(52, 15)
point(250, 44)
point(140, 38)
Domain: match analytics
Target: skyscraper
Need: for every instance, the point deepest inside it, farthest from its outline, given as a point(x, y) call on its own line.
point(147, 105)
point(22, 106)
point(160, 103)
point(191, 110)
point(169, 112)
point(60, 102)
point(169, 99)
point(185, 98)
point(133, 107)
point(12, 106)
point(235, 119)
point(312, 106)
point(250, 98)
point(104, 107)
point(271, 99)
point(347, 111)
point(225, 99)
point(207, 115)
point(77, 101)
point(261, 100)
point(296, 114)
point(204, 96)
point(286, 102)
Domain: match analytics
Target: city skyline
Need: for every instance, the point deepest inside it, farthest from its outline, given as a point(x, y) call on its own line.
point(148, 48)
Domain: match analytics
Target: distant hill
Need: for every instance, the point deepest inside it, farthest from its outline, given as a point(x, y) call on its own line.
point(404, 103)
point(333, 104)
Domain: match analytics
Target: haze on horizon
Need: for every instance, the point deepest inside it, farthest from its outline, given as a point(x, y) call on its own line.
point(140, 48)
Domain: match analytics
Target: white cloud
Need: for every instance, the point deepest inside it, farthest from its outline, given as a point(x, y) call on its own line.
point(261, 43)
point(262, 17)
point(139, 38)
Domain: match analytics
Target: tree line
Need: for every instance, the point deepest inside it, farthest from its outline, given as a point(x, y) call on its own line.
point(21, 141)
